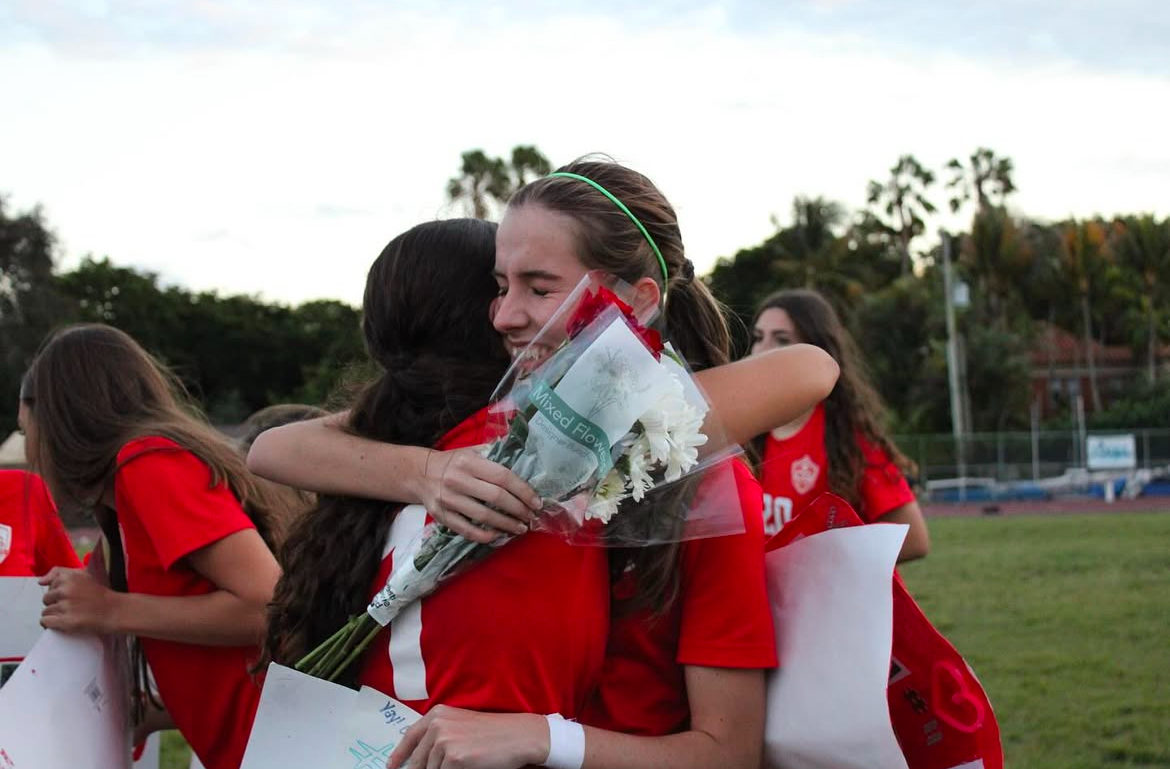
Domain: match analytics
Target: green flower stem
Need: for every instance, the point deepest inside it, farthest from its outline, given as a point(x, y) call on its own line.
point(322, 650)
point(339, 650)
point(370, 635)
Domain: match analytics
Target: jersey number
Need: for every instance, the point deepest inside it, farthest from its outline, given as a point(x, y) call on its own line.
point(777, 512)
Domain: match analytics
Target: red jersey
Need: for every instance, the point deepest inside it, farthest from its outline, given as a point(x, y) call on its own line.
point(720, 619)
point(795, 471)
point(522, 631)
point(167, 509)
point(32, 538)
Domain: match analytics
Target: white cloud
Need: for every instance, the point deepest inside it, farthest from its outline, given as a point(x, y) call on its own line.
point(280, 159)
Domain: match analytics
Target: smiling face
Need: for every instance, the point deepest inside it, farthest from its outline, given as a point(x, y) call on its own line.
point(774, 329)
point(537, 267)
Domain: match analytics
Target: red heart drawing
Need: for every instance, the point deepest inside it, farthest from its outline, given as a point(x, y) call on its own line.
point(962, 710)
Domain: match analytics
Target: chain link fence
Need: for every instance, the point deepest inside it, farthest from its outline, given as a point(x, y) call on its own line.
point(1019, 456)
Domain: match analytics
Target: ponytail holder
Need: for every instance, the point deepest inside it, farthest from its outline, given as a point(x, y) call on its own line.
point(627, 212)
point(688, 270)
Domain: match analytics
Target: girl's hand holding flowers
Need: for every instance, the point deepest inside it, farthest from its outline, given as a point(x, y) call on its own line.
point(475, 497)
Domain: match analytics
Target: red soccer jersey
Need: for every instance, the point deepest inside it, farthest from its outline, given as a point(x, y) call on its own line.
point(32, 538)
point(795, 471)
point(166, 510)
point(522, 631)
point(721, 619)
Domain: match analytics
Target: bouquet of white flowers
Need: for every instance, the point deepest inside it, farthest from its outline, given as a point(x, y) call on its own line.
point(610, 415)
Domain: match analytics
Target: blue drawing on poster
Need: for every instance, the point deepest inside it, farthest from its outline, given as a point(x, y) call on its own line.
point(369, 756)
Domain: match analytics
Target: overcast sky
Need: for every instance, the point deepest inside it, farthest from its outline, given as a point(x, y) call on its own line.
point(273, 148)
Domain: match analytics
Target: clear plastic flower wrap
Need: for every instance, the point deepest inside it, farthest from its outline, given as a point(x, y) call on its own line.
point(608, 425)
point(665, 475)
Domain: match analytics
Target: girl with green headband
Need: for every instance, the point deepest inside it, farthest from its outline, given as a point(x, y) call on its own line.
point(691, 635)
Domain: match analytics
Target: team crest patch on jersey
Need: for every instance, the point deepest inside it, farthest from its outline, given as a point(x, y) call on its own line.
point(5, 541)
point(804, 474)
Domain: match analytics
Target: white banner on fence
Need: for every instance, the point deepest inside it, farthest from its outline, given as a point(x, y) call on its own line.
point(1111, 452)
point(305, 721)
point(832, 604)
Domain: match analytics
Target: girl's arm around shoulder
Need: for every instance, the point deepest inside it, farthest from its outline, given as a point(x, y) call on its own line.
point(756, 394)
point(459, 488)
point(320, 455)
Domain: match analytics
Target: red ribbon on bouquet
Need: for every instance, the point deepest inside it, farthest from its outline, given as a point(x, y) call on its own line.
point(938, 709)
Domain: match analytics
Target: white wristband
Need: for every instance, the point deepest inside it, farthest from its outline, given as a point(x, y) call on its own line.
point(566, 743)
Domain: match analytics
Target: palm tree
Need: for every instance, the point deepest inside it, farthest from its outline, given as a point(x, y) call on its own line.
point(998, 255)
point(481, 179)
point(814, 251)
point(527, 159)
point(1143, 244)
point(1083, 249)
point(485, 183)
point(902, 198)
point(984, 178)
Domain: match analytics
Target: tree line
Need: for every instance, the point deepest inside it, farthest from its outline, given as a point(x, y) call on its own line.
point(235, 354)
point(1103, 279)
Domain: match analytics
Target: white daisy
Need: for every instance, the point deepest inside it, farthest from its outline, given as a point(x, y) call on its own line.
point(685, 440)
point(607, 498)
point(640, 462)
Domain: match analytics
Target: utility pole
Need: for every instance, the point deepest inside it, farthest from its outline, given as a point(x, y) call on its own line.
point(958, 426)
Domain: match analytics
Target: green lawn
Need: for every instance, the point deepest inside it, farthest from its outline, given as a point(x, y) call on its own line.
point(1066, 619)
point(1067, 622)
point(174, 753)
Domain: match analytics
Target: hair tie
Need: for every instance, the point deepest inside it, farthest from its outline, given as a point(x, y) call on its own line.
point(688, 270)
point(626, 211)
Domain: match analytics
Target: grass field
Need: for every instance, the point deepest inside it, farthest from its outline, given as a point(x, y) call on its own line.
point(1066, 619)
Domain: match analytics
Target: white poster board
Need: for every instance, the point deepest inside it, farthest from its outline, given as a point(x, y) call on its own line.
point(305, 721)
point(20, 616)
point(79, 684)
point(832, 604)
point(20, 629)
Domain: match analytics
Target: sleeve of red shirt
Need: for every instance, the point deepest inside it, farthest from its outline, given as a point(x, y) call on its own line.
point(169, 490)
point(726, 621)
point(52, 546)
point(883, 488)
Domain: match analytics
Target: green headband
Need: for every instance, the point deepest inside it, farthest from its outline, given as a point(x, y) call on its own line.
point(626, 211)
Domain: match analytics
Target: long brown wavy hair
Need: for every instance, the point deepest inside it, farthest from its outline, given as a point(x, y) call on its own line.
point(853, 408)
point(426, 323)
point(91, 389)
point(692, 318)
